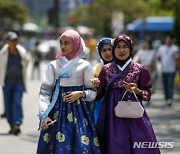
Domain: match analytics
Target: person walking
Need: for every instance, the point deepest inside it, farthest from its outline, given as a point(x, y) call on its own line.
point(36, 62)
point(104, 48)
point(13, 65)
point(168, 54)
point(148, 57)
point(120, 134)
point(66, 119)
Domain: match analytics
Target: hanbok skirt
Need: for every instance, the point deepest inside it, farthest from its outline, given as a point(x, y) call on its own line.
point(124, 135)
point(73, 132)
point(96, 109)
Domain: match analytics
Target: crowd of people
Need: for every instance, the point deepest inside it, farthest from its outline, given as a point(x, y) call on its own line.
point(77, 102)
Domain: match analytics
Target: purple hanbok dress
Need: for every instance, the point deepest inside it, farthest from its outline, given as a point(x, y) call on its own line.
point(118, 135)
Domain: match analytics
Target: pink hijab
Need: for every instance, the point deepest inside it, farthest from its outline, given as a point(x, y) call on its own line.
point(75, 39)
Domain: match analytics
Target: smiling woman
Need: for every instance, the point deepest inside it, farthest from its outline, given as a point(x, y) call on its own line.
point(122, 51)
point(118, 134)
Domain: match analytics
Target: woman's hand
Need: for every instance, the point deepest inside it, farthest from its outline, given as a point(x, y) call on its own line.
point(45, 124)
point(132, 87)
point(73, 96)
point(95, 82)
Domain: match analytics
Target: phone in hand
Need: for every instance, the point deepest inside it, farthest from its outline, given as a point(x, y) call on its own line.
point(52, 122)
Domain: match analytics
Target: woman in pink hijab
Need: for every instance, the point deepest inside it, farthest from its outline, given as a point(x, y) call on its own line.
point(66, 120)
point(75, 40)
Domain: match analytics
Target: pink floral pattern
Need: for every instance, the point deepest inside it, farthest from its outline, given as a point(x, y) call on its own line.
point(130, 75)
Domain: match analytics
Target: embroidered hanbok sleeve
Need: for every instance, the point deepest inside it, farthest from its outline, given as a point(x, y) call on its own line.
point(89, 88)
point(145, 84)
point(46, 89)
point(102, 89)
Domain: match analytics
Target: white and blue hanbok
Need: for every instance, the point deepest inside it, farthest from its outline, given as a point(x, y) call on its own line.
point(74, 130)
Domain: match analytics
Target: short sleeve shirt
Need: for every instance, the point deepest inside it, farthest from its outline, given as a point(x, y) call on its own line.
point(168, 55)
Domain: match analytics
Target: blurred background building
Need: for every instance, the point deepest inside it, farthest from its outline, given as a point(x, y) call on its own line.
point(47, 19)
point(39, 9)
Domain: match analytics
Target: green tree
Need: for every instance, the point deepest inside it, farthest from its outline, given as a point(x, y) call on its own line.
point(12, 12)
point(98, 15)
point(174, 6)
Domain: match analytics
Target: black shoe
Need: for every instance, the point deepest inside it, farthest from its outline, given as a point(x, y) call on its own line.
point(169, 104)
point(17, 132)
point(3, 115)
point(10, 132)
point(15, 129)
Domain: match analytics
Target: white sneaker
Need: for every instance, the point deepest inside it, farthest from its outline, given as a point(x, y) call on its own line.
point(169, 102)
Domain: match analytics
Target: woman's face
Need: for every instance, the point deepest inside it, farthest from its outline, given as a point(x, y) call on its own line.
point(122, 51)
point(66, 46)
point(106, 53)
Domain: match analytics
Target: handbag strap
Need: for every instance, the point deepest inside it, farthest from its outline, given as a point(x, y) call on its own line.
point(126, 93)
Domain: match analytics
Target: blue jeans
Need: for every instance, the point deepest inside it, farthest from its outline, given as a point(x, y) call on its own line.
point(13, 102)
point(168, 83)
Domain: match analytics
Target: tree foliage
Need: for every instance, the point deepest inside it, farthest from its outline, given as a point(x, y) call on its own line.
point(98, 15)
point(174, 7)
point(12, 12)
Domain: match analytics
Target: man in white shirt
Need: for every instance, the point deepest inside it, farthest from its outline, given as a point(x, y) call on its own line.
point(13, 65)
point(168, 55)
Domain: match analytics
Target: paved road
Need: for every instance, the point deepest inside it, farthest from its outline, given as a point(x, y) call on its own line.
point(165, 120)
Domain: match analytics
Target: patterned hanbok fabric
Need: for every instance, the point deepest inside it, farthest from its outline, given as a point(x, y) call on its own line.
point(73, 131)
point(120, 134)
